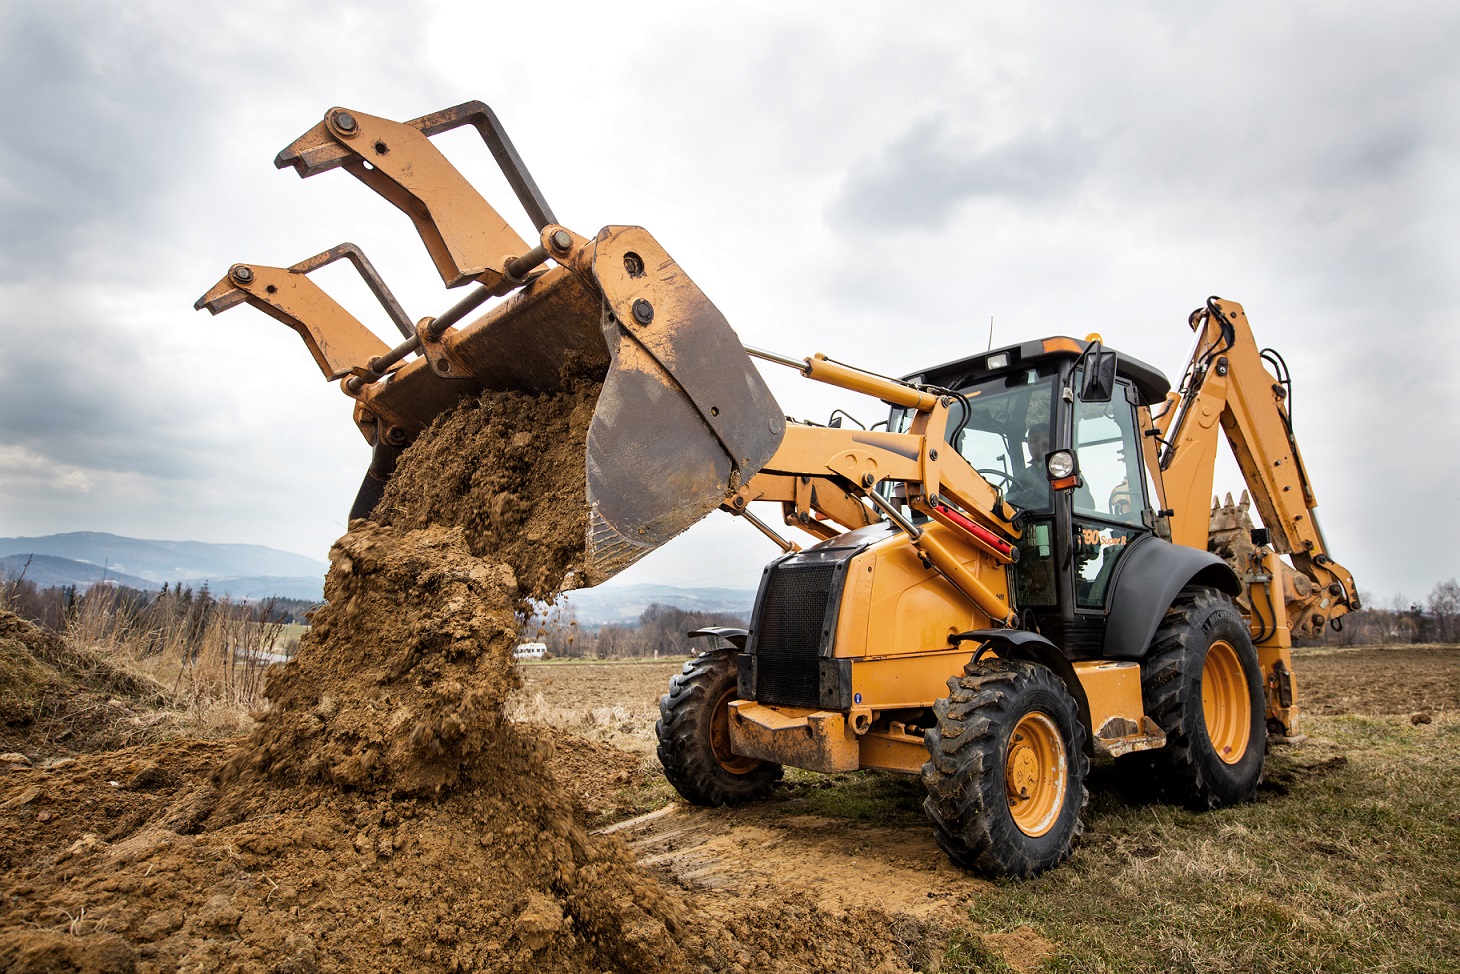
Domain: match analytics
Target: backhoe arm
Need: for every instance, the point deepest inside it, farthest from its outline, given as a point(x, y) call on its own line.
point(1226, 381)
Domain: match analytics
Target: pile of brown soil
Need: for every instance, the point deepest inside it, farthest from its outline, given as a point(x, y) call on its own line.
point(399, 684)
point(508, 469)
point(58, 700)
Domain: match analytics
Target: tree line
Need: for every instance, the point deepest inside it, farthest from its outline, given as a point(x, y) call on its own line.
point(184, 612)
point(661, 630)
point(1435, 619)
point(176, 606)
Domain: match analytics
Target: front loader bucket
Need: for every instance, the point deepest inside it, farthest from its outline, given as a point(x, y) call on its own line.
point(683, 419)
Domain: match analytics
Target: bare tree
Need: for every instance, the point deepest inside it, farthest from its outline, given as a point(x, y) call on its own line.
point(1443, 610)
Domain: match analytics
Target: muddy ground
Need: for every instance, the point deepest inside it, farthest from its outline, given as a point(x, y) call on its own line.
point(837, 860)
point(271, 889)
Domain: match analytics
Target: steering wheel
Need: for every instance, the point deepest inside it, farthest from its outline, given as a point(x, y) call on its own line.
point(1003, 478)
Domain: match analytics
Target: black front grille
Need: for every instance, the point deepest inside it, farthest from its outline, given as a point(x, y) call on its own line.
point(789, 631)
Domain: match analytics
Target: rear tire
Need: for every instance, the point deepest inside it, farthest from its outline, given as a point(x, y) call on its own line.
point(1203, 686)
point(1006, 769)
point(694, 737)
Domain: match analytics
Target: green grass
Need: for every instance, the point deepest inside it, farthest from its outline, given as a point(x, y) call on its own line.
point(1348, 862)
point(876, 797)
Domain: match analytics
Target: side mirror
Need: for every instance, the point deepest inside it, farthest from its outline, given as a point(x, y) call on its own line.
point(1098, 383)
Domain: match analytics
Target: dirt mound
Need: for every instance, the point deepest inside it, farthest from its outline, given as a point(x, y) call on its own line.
point(164, 871)
point(56, 699)
point(508, 469)
point(592, 772)
point(399, 683)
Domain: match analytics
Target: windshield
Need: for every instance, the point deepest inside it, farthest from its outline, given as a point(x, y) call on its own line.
point(1004, 434)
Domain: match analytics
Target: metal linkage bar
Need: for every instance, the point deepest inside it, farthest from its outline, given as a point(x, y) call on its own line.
point(372, 277)
point(517, 270)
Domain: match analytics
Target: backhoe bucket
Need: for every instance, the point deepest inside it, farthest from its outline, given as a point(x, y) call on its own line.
point(683, 419)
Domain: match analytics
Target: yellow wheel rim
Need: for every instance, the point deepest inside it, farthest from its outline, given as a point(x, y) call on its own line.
point(1225, 702)
point(1036, 774)
point(720, 738)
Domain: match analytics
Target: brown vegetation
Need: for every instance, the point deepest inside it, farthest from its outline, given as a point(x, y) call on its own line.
point(202, 661)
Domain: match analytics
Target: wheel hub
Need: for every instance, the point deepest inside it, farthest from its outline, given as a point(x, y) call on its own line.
point(1226, 704)
point(720, 738)
point(1036, 774)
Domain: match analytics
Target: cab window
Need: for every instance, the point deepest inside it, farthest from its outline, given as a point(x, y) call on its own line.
point(1107, 444)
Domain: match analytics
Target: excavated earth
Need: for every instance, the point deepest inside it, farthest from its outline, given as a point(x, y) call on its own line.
point(383, 815)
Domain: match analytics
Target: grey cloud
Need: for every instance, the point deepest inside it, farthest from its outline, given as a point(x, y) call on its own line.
point(111, 110)
point(113, 121)
point(84, 395)
point(91, 117)
point(918, 181)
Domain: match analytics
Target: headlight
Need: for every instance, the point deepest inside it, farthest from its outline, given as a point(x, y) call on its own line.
point(1061, 464)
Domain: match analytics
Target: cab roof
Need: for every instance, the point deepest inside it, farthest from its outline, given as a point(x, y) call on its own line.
point(1150, 382)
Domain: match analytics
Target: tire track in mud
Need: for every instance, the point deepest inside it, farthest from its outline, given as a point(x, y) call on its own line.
point(752, 852)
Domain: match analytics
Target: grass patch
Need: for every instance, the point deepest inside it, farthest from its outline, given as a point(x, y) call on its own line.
point(874, 797)
point(1347, 862)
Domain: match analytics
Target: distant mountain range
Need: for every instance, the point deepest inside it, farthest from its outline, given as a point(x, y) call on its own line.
point(48, 571)
point(247, 571)
point(241, 571)
point(610, 603)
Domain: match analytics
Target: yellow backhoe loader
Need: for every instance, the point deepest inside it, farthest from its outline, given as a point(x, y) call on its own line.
point(1016, 572)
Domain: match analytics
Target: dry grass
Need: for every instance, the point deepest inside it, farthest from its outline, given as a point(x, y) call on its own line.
point(615, 702)
point(1346, 863)
point(628, 726)
point(120, 673)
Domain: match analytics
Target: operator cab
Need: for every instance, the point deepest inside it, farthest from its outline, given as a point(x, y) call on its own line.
point(1052, 425)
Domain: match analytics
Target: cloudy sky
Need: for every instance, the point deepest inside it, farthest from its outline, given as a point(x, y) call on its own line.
point(849, 178)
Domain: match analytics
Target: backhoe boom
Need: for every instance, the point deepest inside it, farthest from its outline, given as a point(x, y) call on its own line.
point(1226, 382)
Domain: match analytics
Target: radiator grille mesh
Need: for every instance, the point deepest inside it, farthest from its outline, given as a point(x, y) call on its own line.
point(789, 634)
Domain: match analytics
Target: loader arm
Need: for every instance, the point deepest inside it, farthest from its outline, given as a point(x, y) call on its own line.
point(1227, 384)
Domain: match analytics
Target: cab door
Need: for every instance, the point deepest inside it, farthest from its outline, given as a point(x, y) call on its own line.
point(1109, 507)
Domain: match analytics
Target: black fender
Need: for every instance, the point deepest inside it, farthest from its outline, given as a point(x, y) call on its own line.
point(1146, 581)
point(1033, 648)
point(735, 637)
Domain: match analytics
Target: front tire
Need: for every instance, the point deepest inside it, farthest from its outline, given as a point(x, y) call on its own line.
point(1203, 686)
point(1006, 769)
point(694, 737)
